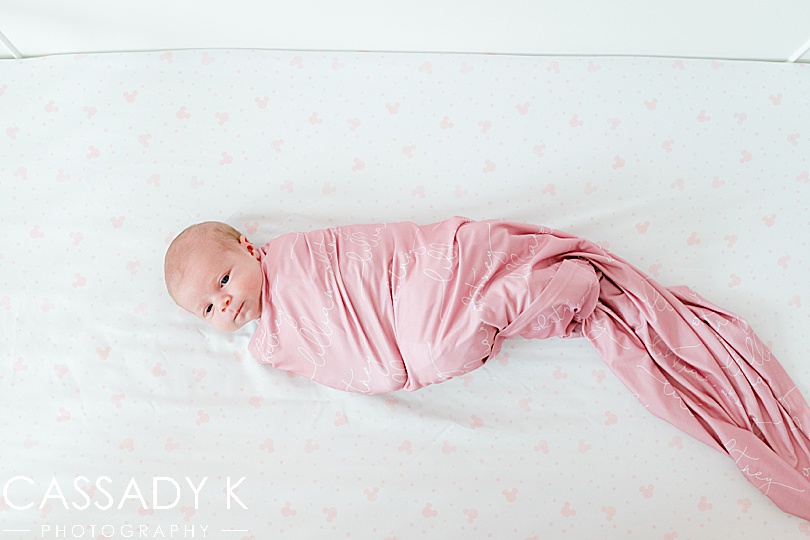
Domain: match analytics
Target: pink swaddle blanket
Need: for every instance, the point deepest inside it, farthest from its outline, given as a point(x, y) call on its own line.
point(377, 308)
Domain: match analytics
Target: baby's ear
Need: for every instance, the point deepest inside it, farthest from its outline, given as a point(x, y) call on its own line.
point(245, 243)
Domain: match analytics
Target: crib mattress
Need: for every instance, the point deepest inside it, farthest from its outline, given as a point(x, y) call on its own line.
point(696, 171)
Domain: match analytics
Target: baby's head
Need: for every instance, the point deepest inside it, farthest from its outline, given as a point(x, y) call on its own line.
point(212, 271)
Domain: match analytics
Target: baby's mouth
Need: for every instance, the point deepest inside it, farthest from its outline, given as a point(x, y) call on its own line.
point(238, 311)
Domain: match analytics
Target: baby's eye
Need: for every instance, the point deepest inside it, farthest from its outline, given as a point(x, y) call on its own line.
point(224, 280)
point(209, 308)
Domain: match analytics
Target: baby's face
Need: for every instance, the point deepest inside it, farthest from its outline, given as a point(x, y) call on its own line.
point(222, 286)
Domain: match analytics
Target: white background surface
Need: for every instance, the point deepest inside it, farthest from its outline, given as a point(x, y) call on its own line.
point(696, 171)
point(747, 29)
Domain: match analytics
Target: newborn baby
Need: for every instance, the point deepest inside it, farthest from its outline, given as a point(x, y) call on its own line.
point(377, 308)
point(212, 270)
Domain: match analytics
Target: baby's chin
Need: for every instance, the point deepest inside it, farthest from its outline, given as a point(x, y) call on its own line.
point(239, 325)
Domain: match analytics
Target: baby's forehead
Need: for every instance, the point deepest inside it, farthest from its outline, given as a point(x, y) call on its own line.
point(193, 256)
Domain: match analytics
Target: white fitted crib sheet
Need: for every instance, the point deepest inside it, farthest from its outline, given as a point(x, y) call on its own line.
point(695, 171)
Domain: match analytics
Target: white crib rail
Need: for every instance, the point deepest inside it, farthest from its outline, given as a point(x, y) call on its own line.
point(14, 51)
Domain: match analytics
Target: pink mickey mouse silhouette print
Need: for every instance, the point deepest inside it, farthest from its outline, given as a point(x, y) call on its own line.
point(287, 510)
point(158, 370)
point(267, 445)
point(584, 447)
point(568, 510)
point(542, 447)
point(189, 512)
point(171, 445)
point(255, 402)
point(117, 400)
point(745, 506)
point(609, 511)
point(371, 494)
point(525, 404)
point(30, 442)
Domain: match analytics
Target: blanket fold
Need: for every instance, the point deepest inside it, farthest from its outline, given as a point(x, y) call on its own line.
point(376, 308)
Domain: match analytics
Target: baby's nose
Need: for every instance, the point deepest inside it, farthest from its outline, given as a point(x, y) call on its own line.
point(226, 301)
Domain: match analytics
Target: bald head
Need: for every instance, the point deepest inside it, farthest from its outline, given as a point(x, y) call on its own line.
point(210, 236)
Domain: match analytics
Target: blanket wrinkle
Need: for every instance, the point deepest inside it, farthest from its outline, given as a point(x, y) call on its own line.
point(378, 308)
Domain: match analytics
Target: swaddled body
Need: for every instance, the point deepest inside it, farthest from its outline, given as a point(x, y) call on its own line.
point(376, 308)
